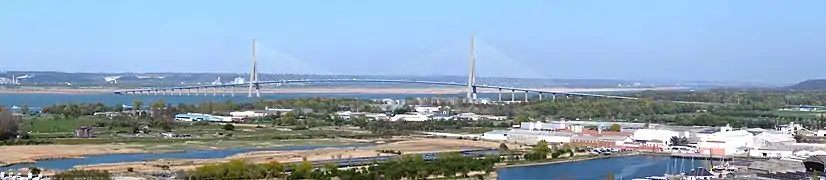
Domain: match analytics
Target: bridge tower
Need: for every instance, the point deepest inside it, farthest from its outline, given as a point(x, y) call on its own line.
point(254, 74)
point(471, 77)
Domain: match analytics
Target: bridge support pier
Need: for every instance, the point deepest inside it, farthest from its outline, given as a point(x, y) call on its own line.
point(500, 95)
point(553, 97)
point(473, 94)
point(188, 92)
point(513, 95)
point(540, 96)
point(526, 96)
point(214, 91)
point(232, 91)
point(257, 90)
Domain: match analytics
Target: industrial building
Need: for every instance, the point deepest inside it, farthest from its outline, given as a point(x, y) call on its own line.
point(496, 135)
point(410, 117)
point(251, 113)
point(194, 117)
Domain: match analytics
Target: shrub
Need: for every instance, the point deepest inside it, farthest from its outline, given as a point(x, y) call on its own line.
point(229, 127)
point(237, 169)
point(201, 123)
point(76, 174)
point(34, 170)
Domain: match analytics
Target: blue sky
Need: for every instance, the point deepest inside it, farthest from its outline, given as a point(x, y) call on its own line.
point(738, 40)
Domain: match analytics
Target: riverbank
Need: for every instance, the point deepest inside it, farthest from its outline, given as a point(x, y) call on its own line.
point(30, 153)
point(414, 146)
point(13, 155)
point(149, 163)
point(326, 90)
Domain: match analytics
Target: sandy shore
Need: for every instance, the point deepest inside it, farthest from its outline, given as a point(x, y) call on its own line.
point(406, 147)
point(331, 90)
point(23, 154)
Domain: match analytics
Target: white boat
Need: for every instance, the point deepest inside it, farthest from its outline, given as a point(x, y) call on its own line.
point(656, 178)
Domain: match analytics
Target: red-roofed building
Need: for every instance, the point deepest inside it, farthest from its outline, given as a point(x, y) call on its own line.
point(598, 132)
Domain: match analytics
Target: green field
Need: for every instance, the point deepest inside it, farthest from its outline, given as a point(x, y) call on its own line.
point(796, 114)
point(55, 125)
point(204, 136)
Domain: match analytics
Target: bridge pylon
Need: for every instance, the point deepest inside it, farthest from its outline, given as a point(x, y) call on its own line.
point(254, 74)
point(471, 77)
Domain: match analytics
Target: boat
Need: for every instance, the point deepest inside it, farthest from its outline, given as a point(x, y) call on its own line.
point(652, 178)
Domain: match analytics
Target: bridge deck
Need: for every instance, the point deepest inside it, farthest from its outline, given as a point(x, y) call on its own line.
point(527, 90)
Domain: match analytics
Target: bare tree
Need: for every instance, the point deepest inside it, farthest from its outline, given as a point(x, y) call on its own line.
point(9, 125)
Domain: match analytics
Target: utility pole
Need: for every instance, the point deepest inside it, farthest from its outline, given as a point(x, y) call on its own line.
point(820, 120)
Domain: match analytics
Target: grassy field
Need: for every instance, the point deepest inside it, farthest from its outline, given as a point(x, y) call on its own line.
point(211, 136)
point(472, 131)
point(799, 114)
point(55, 125)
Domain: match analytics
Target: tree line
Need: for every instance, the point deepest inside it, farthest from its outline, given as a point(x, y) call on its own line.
point(447, 165)
point(745, 108)
point(319, 105)
point(10, 125)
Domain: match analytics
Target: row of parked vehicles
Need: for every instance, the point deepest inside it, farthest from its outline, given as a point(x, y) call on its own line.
point(603, 151)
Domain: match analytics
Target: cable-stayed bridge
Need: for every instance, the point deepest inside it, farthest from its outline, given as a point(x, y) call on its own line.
point(472, 84)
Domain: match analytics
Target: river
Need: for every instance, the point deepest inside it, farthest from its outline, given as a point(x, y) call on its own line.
point(626, 167)
point(40, 100)
point(63, 164)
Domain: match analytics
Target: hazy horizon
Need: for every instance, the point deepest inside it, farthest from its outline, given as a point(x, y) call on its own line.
point(762, 41)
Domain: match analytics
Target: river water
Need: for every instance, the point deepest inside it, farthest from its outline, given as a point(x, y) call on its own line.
point(627, 167)
point(40, 100)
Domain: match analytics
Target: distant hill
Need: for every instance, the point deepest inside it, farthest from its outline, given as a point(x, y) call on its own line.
point(810, 85)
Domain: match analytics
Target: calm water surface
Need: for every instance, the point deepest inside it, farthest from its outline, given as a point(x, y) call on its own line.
point(627, 167)
point(40, 100)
